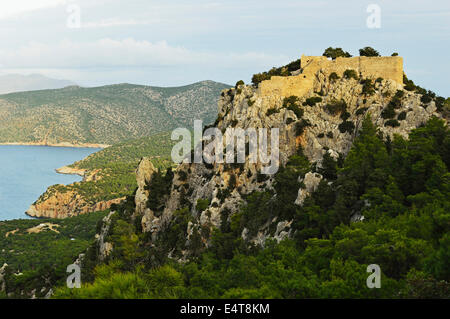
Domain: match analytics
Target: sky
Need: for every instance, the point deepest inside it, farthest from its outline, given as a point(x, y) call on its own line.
point(178, 42)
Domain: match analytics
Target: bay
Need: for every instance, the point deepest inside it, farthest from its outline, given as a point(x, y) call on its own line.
point(27, 171)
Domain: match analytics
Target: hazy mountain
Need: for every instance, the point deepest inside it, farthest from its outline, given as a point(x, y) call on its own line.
point(18, 83)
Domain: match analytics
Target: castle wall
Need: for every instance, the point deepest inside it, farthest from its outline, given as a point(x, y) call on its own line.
point(388, 68)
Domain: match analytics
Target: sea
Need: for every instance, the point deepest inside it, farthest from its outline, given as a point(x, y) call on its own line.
point(27, 171)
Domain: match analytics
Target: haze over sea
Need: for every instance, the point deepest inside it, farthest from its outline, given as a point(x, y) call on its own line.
point(27, 171)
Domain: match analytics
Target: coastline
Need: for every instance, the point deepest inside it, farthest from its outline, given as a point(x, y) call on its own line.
point(62, 144)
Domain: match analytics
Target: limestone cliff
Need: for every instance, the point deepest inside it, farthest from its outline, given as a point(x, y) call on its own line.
point(323, 129)
point(67, 204)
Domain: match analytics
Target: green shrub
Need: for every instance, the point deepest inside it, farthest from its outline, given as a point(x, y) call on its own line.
point(439, 101)
point(361, 110)
point(399, 94)
point(350, 74)
point(312, 101)
point(335, 107)
point(335, 52)
point(408, 84)
point(259, 77)
point(388, 112)
point(368, 51)
point(291, 100)
point(394, 54)
point(238, 83)
point(346, 126)
point(282, 71)
point(392, 123)
point(182, 176)
point(297, 110)
point(300, 127)
point(368, 87)
point(426, 99)
point(272, 111)
point(333, 77)
point(379, 80)
point(202, 204)
point(293, 103)
point(345, 115)
point(446, 108)
point(250, 102)
point(402, 116)
point(395, 103)
point(289, 121)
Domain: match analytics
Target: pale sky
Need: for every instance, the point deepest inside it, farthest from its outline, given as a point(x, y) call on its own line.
point(176, 42)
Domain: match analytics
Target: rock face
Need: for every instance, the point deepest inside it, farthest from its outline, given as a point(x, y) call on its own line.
point(67, 204)
point(311, 182)
point(244, 107)
point(104, 248)
point(2, 278)
point(144, 174)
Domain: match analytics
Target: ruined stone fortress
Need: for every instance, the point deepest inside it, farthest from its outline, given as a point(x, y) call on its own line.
point(388, 68)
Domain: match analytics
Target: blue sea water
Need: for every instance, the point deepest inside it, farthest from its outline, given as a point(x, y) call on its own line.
point(27, 171)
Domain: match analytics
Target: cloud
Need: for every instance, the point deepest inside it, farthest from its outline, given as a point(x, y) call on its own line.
point(17, 7)
point(128, 52)
point(107, 23)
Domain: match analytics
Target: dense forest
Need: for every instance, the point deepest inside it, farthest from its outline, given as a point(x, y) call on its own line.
point(399, 189)
point(38, 251)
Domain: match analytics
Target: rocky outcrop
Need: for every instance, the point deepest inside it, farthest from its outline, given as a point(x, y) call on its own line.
point(104, 248)
point(67, 204)
point(311, 182)
point(2, 278)
point(149, 222)
point(88, 175)
point(144, 174)
point(71, 171)
point(243, 107)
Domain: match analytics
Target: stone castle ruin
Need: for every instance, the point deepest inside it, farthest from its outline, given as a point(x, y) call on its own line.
point(388, 68)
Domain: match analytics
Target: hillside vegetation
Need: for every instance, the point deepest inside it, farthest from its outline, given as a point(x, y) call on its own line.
point(114, 168)
point(104, 115)
point(37, 257)
point(401, 188)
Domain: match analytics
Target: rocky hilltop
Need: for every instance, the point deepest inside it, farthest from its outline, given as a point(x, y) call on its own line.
point(319, 109)
point(363, 179)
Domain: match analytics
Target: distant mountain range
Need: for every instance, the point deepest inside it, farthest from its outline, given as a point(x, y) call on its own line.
point(104, 115)
point(10, 83)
